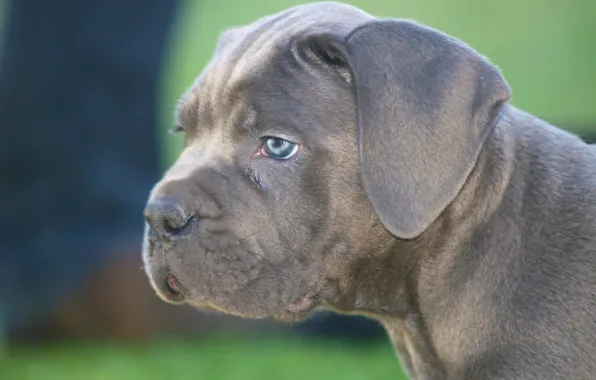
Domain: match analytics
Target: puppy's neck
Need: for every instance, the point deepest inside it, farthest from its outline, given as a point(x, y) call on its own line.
point(392, 285)
point(385, 283)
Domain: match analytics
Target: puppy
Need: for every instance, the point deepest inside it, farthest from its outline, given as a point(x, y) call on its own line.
point(375, 166)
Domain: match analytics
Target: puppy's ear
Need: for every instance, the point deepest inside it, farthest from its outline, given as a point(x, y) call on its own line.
point(425, 104)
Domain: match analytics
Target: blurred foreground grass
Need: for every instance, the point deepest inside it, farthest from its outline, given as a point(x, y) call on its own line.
point(221, 358)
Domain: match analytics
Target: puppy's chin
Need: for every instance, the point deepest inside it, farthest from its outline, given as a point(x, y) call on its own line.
point(292, 318)
point(298, 311)
point(214, 307)
point(295, 312)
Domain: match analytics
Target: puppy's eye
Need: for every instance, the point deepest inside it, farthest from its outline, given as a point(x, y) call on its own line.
point(276, 147)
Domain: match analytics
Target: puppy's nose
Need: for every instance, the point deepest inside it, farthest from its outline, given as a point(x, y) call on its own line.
point(167, 219)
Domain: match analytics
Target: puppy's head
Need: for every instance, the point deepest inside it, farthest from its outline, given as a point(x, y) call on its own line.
point(314, 140)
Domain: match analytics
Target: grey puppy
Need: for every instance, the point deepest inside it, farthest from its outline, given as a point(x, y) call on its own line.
point(374, 166)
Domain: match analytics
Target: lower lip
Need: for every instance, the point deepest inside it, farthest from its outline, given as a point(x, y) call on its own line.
point(172, 282)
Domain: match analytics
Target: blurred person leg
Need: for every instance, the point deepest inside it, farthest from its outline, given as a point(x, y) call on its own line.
point(78, 155)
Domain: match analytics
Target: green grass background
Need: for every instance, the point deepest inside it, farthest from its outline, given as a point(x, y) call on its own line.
point(218, 358)
point(547, 52)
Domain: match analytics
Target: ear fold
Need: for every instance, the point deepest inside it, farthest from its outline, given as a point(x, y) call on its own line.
point(425, 104)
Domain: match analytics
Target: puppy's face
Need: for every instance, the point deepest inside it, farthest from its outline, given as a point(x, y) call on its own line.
point(263, 212)
point(274, 206)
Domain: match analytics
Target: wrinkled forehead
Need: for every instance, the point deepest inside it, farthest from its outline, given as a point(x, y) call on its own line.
point(245, 54)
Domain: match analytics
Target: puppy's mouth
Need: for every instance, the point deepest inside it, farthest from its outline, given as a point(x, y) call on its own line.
point(166, 285)
point(173, 284)
point(171, 290)
point(170, 285)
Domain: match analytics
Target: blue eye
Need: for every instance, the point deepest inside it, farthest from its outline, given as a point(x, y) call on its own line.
point(279, 148)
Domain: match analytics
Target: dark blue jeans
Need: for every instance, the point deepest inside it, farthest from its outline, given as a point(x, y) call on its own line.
point(78, 150)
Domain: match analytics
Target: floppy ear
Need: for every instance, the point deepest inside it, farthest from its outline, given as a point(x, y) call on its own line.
point(425, 104)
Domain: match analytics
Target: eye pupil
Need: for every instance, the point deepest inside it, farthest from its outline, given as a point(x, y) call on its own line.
point(279, 148)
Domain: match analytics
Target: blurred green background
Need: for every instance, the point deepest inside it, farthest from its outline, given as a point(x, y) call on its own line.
point(547, 52)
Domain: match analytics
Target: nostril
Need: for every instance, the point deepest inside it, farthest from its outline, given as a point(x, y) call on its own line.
point(167, 219)
point(174, 229)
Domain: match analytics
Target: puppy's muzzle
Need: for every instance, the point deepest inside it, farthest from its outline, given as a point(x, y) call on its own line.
point(167, 220)
point(168, 223)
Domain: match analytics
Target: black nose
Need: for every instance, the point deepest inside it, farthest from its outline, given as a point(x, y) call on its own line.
point(167, 219)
